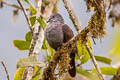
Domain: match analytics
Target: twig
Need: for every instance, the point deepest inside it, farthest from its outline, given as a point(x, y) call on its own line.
point(5, 69)
point(72, 14)
point(28, 73)
point(25, 13)
point(12, 4)
point(94, 62)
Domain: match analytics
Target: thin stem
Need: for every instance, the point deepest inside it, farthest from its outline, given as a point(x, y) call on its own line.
point(94, 62)
point(25, 13)
point(72, 14)
point(5, 69)
point(12, 5)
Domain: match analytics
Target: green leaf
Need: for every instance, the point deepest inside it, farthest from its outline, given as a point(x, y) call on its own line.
point(44, 45)
point(33, 10)
point(103, 59)
point(87, 74)
point(41, 22)
point(82, 52)
point(19, 73)
point(115, 45)
point(29, 61)
point(28, 36)
point(49, 57)
point(27, 1)
point(32, 20)
point(21, 44)
point(37, 71)
point(106, 70)
point(52, 51)
point(89, 43)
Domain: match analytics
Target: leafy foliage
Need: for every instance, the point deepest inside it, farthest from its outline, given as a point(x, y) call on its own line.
point(106, 70)
point(19, 73)
point(41, 22)
point(117, 75)
point(82, 52)
point(24, 44)
point(21, 44)
point(50, 50)
point(87, 74)
point(37, 72)
point(28, 36)
point(103, 59)
point(29, 61)
point(115, 43)
point(32, 9)
point(32, 20)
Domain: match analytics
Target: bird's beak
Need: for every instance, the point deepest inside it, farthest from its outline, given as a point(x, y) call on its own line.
point(48, 20)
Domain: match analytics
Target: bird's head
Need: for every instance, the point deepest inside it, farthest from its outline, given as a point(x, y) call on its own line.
point(55, 17)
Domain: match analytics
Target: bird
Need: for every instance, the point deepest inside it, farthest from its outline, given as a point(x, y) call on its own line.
point(57, 33)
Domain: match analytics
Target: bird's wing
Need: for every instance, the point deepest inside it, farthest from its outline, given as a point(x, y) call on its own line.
point(67, 32)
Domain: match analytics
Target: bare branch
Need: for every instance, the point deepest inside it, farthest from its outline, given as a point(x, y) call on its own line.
point(28, 73)
point(12, 4)
point(72, 14)
point(5, 70)
point(95, 62)
point(26, 16)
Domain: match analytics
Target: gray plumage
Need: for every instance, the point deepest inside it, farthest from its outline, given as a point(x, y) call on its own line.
point(57, 33)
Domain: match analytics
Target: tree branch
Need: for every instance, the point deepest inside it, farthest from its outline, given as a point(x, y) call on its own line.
point(94, 61)
point(12, 5)
point(5, 70)
point(26, 16)
point(76, 24)
point(38, 35)
point(72, 14)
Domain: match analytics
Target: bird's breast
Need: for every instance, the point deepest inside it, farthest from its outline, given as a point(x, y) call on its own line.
point(54, 36)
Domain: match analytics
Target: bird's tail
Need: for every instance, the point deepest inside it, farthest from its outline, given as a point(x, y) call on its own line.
point(72, 70)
